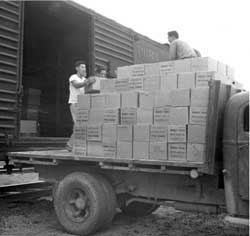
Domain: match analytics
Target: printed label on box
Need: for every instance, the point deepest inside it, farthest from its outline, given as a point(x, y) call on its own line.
point(80, 132)
point(196, 152)
point(158, 151)
point(177, 133)
point(122, 84)
point(112, 116)
point(198, 115)
point(82, 117)
point(123, 72)
point(141, 133)
point(137, 70)
point(79, 148)
point(158, 133)
point(162, 115)
point(128, 116)
point(109, 149)
point(136, 83)
point(94, 133)
point(177, 152)
point(167, 67)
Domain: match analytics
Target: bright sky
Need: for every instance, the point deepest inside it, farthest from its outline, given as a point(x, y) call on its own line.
point(217, 28)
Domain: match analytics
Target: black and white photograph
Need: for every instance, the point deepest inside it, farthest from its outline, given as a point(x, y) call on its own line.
point(124, 118)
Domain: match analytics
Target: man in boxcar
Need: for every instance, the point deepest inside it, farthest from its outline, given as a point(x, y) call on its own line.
point(77, 84)
point(179, 49)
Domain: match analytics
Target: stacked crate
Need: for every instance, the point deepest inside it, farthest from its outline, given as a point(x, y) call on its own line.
point(152, 111)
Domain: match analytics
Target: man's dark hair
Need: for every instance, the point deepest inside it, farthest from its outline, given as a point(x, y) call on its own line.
point(173, 34)
point(79, 62)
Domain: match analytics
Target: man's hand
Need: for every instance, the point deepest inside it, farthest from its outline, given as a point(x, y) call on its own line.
point(92, 80)
point(80, 84)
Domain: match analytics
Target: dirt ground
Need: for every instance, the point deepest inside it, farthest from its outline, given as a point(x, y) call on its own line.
point(37, 218)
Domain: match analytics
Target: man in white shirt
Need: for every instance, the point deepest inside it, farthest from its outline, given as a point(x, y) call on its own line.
point(77, 84)
point(179, 49)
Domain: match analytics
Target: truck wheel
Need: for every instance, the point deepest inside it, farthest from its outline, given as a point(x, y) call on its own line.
point(111, 200)
point(139, 209)
point(80, 203)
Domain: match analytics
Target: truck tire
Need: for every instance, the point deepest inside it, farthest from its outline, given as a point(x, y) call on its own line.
point(139, 209)
point(110, 199)
point(80, 203)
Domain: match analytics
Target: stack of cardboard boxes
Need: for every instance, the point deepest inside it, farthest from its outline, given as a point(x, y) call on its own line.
point(151, 111)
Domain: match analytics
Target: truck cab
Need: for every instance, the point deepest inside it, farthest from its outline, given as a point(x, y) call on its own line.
point(236, 154)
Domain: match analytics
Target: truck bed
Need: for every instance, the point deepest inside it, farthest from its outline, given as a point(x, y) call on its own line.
point(55, 157)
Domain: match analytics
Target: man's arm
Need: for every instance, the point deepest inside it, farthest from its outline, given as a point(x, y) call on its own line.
point(172, 51)
point(80, 84)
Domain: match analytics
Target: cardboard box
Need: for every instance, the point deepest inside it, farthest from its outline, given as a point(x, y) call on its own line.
point(96, 116)
point(167, 67)
point(28, 127)
point(230, 72)
point(95, 149)
point(137, 70)
point(128, 116)
point(186, 80)
point(80, 133)
point(199, 97)
point(162, 99)
point(109, 133)
point(180, 97)
point(203, 78)
point(123, 72)
point(177, 134)
point(162, 115)
point(33, 92)
point(121, 85)
point(198, 115)
point(97, 101)
point(144, 116)
point(158, 151)
point(146, 100)
point(183, 65)
point(196, 152)
point(109, 149)
point(83, 101)
point(136, 83)
point(94, 133)
point(112, 100)
point(151, 83)
point(32, 112)
point(107, 86)
point(178, 116)
point(124, 150)
point(196, 134)
point(129, 99)
point(125, 133)
point(140, 150)
point(141, 133)
point(82, 117)
point(152, 69)
point(204, 64)
point(33, 100)
point(222, 68)
point(158, 133)
point(79, 148)
point(177, 152)
point(168, 82)
point(111, 116)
